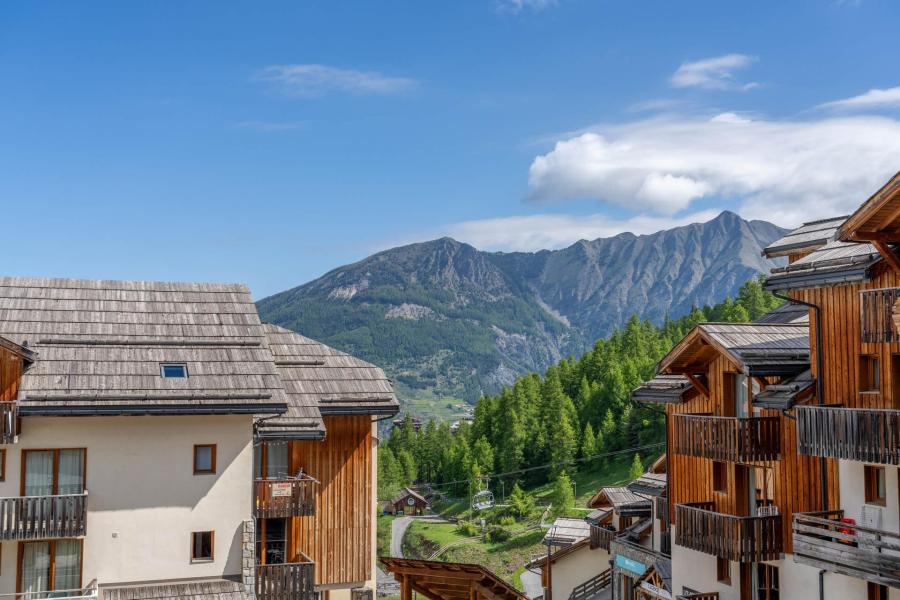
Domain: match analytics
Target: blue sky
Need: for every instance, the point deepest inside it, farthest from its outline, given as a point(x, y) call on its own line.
point(270, 142)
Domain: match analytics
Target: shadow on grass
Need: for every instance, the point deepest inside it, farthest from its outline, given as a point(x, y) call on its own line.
point(529, 539)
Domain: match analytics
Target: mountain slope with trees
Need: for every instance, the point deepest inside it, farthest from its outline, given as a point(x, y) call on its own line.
point(561, 421)
point(447, 321)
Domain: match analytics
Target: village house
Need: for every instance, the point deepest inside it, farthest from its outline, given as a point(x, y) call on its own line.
point(409, 502)
point(159, 441)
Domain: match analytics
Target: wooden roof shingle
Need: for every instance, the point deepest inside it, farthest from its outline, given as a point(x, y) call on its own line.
point(808, 236)
point(100, 344)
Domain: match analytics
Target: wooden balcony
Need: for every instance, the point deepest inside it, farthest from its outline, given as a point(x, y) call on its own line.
point(861, 434)
point(739, 539)
point(289, 497)
point(731, 439)
point(289, 581)
point(601, 536)
point(876, 315)
point(40, 517)
point(821, 540)
point(662, 509)
point(9, 422)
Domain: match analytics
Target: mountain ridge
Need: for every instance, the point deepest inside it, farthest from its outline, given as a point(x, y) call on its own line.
point(447, 320)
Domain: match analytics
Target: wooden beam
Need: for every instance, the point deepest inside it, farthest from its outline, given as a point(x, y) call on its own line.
point(405, 588)
point(888, 255)
point(701, 387)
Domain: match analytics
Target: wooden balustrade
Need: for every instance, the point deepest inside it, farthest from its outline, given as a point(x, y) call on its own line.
point(592, 587)
point(823, 541)
point(601, 536)
point(862, 434)
point(698, 596)
point(288, 581)
point(665, 542)
point(38, 517)
point(739, 539)
point(662, 509)
point(732, 439)
point(876, 315)
point(289, 497)
point(9, 422)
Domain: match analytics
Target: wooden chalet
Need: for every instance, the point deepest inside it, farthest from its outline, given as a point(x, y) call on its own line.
point(409, 502)
point(734, 478)
point(851, 287)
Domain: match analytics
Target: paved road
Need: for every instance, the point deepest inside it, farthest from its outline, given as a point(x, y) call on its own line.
point(398, 529)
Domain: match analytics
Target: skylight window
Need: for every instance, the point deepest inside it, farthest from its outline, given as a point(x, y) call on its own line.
point(174, 370)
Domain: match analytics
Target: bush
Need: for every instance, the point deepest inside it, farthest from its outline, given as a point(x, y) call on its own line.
point(467, 528)
point(506, 521)
point(495, 534)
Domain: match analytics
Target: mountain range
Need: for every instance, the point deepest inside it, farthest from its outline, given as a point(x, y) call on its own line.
point(449, 322)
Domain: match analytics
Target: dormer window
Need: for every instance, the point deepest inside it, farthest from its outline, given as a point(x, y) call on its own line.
point(173, 370)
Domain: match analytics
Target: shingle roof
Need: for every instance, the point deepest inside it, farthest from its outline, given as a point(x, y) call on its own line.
point(621, 499)
point(649, 484)
point(565, 532)
point(663, 389)
point(782, 396)
point(320, 380)
point(205, 589)
point(808, 236)
point(787, 313)
point(100, 344)
point(838, 262)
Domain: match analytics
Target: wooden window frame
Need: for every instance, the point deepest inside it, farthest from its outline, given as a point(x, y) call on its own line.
point(720, 477)
point(723, 570)
point(212, 547)
point(23, 459)
point(869, 371)
point(20, 557)
point(875, 591)
point(212, 459)
point(162, 370)
point(870, 477)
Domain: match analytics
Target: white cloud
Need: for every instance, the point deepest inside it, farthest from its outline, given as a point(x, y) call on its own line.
point(781, 171)
point(873, 99)
point(314, 80)
point(516, 6)
point(714, 73)
point(527, 233)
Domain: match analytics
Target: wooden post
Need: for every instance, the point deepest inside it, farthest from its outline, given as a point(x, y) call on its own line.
point(405, 588)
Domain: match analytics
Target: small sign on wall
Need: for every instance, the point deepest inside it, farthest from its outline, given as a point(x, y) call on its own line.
point(281, 490)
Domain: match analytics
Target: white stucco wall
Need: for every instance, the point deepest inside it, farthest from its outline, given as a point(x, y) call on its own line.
point(697, 571)
point(574, 569)
point(852, 485)
point(144, 500)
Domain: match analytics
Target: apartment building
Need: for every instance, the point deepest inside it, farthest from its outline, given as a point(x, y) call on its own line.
point(135, 423)
point(850, 286)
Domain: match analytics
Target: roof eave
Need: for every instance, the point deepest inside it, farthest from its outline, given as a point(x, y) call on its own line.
point(108, 410)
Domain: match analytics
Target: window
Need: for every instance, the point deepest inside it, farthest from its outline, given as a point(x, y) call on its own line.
point(723, 571)
point(720, 477)
point(204, 459)
point(53, 472)
point(875, 485)
point(173, 370)
point(767, 576)
point(868, 373)
point(877, 592)
point(202, 546)
point(271, 541)
point(49, 566)
point(271, 460)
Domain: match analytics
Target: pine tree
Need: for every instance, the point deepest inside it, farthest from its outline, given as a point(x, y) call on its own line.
point(637, 467)
point(588, 445)
point(521, 505)
point(563, 498)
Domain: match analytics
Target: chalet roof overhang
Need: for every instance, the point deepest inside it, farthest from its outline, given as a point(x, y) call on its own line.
point(664, 389)
point(757, 349)
point(449, 581)
point(25, 353)
point(146, 404)
point(622, 501)
point(838, 264)
point(784, 395)
point(565, 532)
point(307, 431)
point(649, 484)
point(809, 236)
point(878, 218)
point(541, 561)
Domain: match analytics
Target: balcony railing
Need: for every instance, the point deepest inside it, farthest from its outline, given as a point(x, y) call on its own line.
point(732, 439)
point(288, 581)
point(662, 509)
point(601, 536)
point(877, 315)
point(9, 422)
point(823, 541)
point(861, 434)
point(592, 587)
point(739, 539)
point(288, 497)
point(38, 517)
point(698, 596)
point(665, 542)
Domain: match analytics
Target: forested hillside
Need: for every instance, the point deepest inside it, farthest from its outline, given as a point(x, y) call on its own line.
point(580, 408)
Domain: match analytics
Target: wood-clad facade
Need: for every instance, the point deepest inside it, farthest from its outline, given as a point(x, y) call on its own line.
point(338, 538)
